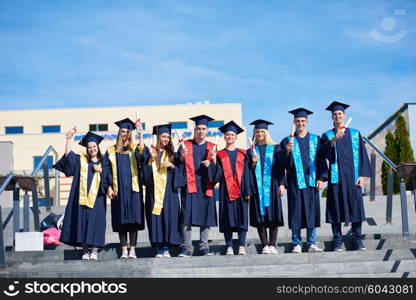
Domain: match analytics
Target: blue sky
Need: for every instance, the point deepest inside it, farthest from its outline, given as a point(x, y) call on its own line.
point(272, 56)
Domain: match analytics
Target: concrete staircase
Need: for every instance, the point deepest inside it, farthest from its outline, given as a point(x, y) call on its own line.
point(388, 255)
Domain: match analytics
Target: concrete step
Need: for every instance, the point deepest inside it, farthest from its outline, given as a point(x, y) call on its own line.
point(112, 251)
point(107, 259)
point(370, 275)
point(218, 247)
point(295, 270)
point(118, 269)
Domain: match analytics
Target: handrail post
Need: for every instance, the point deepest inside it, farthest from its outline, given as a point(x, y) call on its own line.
point(35, 207)
point(16, 212)
point(26, 227)
point(389, 207)
point(2, 250)
point(403, 201)
point(414, 189)
point(46, 185)
point(373, 178)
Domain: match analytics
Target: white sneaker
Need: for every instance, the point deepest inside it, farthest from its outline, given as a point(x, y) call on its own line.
point(297, 249)
point(266, 250)
point(314, 248)
point(94, 255)
point(85, 256)
point(242, 250)
point(273, 250)
point(124, 254)
point(132, 253)
point(230, 251)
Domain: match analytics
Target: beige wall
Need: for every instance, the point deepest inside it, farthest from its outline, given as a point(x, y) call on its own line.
point(34, 143)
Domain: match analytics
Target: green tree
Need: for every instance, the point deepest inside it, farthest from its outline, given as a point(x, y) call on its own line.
point(404, 150)
point(391, 153)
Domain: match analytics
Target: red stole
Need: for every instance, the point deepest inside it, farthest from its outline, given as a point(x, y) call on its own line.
point(233, 183)
point(190, 169)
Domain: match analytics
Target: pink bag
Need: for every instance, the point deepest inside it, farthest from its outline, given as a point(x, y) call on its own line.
point(51, 236)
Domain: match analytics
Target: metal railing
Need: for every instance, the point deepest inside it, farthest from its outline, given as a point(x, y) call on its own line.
point(390, 183)
point(383, 156)
point(15, 212)
point(6, 182)
point(43, 164)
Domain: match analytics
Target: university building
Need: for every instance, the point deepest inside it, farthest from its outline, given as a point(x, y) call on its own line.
point(25, 135)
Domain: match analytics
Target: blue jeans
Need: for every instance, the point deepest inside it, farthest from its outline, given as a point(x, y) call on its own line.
point(228, 236)
point(310, 233)
point(355, 231)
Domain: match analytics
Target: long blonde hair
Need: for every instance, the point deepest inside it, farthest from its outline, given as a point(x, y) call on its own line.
point(120, 144)
point(268, 138)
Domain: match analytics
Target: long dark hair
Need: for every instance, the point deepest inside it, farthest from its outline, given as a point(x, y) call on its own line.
point(99, 155)
point(170, 150)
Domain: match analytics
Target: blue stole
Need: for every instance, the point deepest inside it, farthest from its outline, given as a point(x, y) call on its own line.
point(355, 139)
point(297, 158)
point(264, 180)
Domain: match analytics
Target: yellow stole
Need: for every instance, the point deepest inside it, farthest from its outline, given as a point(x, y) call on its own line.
point(88, 198)
point(160, 177)
point(133, 167)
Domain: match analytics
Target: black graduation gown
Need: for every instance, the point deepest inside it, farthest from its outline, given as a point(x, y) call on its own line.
point(127, 208)
point(197, 209)
point(165, 228)
point(233, 215)
point(344, 200)
point(82, 225)
point(274, 213)
point(303, 204)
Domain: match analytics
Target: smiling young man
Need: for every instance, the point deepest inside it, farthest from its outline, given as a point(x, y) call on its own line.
point(349, 165)
point(306, 171)
point(197, 199)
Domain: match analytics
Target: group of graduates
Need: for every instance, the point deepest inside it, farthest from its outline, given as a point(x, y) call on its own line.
point(251, 185)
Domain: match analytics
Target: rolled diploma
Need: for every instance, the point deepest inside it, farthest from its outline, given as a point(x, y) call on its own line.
point(252, 146)
point(292, 132)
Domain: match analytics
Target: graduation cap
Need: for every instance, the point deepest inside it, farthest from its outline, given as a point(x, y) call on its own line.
point(334, 106)
point(91, 137)
point(164, 128)
point(202, 120)
point(231, 126)
point(261, 124)
point(126, 123)
point(301, 112)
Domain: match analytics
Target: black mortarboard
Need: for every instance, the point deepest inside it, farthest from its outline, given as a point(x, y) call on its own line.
point(334, 106)
point(261, 124)
point(301, 112)
point(201, 120)
point(126, 123)
point(231, 126)
point(91, 137)
point(164, 128)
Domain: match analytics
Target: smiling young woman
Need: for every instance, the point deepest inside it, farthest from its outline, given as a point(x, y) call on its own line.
point(121, 168)
point(84, 221)
point(160, 166)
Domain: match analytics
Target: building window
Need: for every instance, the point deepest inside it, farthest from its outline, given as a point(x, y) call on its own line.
point(51, 129)
point(14, 130)
point(37, 159)
point(179, 125)
point(98, 127)
point(215, 124)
